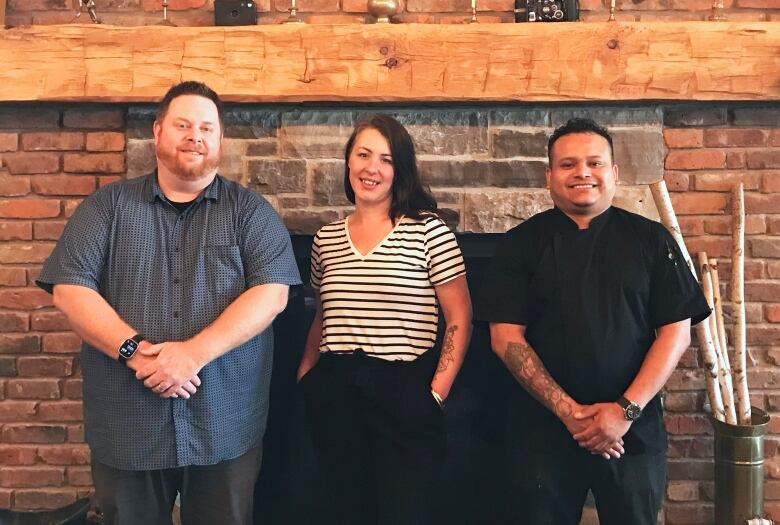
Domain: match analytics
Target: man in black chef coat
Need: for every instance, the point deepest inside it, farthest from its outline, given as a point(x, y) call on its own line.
point(590, 309)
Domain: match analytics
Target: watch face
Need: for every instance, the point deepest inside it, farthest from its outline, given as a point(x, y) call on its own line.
point(633, 412)
point(128, 348)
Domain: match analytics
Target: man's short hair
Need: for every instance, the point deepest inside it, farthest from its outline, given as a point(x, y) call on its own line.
point(190, 87)
point(579, 125)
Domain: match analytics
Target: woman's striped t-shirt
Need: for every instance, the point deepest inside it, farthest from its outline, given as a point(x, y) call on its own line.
point(383, 302)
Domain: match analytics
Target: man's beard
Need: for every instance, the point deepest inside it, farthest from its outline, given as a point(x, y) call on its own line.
point(183, 170)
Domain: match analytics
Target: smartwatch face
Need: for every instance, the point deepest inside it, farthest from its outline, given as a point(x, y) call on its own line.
point(128, 348)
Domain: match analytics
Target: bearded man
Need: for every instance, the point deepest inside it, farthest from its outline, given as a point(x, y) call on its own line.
point(172, 281)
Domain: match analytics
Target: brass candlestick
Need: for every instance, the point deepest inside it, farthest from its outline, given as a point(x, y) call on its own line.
point(382, 10)
point(165, 21)
point(473, 12)
point(89, 5)
point(293, 18)
point(717, 14)
point(611, 11)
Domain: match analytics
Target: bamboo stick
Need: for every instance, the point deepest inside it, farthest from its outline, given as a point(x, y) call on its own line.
point(738, 302)
point(706, 346)
point(724, 372)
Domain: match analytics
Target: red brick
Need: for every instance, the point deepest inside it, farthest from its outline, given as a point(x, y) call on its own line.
point(49, 321)
point(690, 469)
point(14, 186)
point(80, 476)
point(714, 246)
point(64, 342)
point(24, 299)
point(687, 424)
point(772, 312)
point(18, 253)
point(773, 269)
point(725, 181)
point(762, 203)
point(766, 291)
point(682, 379)
point(53, 141)
point(735, 137)
point(758, 4)
point(72, 388)
point(754, 224)
point(33, 271)
point(19, 344)
point(764, 159)
point(695, 159)
point(35, 5)
point(29, 209)
point(63, 185)
point(17, 410)
point(689, 514)
point(93, 118)
point(682, 491)
point(44, 366)
point(735, 159)
point(763, 335)
point(174, 5)
point(48, 230)
point(32, 477)
point(677, 181)
point(33, 433)
point(28, 117)
point(32, 389)
point(69, 206)
point(105, 141)
point(682, 402)
point(691, 225)
point(770, 182)
point(683, 138)
point(14, 322)
point(15, 230)
point(692, 203)
point(774, 137)
point(772, 490)
point(35, 499)
point(9, 142)
point(94, 162)
point(21, 163)
point(75, 433)
point(437, 6)
point(12, 276)
point(764, 246)
point(70, 454)
point(61, 411)
point(17, 455)
point(105, 180)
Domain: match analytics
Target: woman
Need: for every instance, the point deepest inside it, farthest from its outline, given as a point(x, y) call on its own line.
point(373, 384)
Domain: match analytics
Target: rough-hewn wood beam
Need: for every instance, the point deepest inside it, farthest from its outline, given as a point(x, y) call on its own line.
point(410, 62)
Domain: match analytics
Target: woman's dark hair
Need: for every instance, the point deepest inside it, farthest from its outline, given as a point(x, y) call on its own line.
point(579, 125)
point(409, 196)
point(190, 87)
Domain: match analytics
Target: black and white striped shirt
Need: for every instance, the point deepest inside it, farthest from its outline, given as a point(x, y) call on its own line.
point(383, 302)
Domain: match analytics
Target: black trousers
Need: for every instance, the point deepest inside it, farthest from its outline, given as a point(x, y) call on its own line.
point(378, 436)
point(549, 482)
point(218, 494)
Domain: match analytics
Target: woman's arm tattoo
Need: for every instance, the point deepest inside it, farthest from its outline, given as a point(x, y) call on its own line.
point(448, 347)
point(529, 370)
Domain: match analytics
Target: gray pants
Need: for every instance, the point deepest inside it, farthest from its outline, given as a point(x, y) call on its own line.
point(210, 494)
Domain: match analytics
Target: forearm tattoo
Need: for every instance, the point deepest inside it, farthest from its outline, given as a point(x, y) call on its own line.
point(447, 349)
point(528, 369)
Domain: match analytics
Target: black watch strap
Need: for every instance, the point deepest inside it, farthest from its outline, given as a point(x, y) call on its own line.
point(129, 348)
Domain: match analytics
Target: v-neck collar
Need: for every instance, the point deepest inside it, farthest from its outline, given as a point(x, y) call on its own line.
point(357, 252)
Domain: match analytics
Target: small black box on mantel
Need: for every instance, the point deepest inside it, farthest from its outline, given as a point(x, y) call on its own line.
point(235, 13)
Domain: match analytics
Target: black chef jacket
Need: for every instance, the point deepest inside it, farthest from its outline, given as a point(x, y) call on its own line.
point(591, 301)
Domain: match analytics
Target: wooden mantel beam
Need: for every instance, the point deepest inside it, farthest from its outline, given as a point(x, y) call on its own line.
point(397, 63)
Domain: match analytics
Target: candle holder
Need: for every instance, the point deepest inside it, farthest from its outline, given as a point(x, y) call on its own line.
point(165, 21)
point(382, 10)
point(293, 18)
point(89, 7)
point(473, 12)
point(717, 15)
point(611, 11)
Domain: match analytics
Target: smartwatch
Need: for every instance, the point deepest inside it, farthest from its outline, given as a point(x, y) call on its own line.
point(129, 348)
point(631, 411)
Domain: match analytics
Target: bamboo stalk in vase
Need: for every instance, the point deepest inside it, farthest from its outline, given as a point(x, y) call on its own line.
point(663, 204)
point(724, 372)
point(738, 302)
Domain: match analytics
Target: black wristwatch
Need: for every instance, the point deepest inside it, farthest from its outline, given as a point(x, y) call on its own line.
point(129, 348)
point(631, 411)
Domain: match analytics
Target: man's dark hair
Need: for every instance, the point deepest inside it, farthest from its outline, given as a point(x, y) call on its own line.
point(190, 87)
point(409, 196)
point(579, 125)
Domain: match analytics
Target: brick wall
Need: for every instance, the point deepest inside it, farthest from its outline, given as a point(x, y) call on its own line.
point(486, 168)
point(200, 12)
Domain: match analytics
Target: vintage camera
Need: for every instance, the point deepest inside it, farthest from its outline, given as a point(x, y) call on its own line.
point(235, 13)
point(547, 10)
